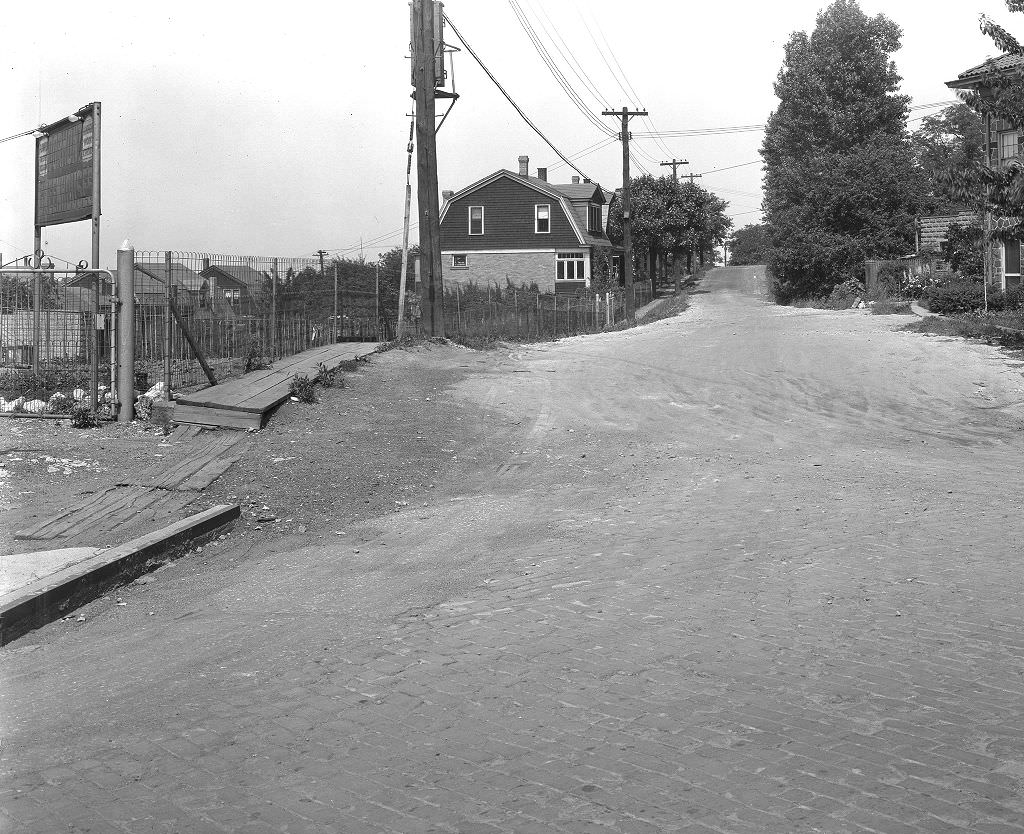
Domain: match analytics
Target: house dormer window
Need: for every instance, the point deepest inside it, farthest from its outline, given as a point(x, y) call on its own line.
point(593, 217)
point(476, 220)
point(542, 219)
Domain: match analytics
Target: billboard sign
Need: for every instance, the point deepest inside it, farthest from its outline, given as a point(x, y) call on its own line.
point(66, 168)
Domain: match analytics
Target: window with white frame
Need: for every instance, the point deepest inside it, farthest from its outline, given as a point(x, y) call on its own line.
point(594, 217)
point(476, 220)
point(1008, 145)
point(459, 262)
point(233, 295)
point(571, 266)
point(542, 218)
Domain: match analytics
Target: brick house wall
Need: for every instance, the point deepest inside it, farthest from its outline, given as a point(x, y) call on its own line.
point(483, 268)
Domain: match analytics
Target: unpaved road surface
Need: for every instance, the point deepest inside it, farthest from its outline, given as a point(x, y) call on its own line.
point(751, 569)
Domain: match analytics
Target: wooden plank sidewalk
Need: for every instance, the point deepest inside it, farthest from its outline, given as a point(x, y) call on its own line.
point(245, 403)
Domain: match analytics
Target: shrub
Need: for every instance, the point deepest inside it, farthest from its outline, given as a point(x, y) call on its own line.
point(955, 297)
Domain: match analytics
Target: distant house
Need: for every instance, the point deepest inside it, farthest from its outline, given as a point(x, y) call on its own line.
point(516, 228)
point(240, 287)
point(150, 284)
point(1004, 144)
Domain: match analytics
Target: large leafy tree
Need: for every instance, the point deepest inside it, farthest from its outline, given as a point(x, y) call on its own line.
point(840, 180)
point(948, 142)
point(671, 218)
point(749, 245)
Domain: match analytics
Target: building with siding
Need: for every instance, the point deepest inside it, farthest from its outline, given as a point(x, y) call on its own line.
point(1004, 144)
point(516, 229)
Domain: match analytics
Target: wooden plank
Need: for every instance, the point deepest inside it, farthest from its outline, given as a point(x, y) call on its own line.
point(220, 417)
point(35, 530)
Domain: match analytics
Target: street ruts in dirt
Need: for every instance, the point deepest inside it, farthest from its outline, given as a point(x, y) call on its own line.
point(749, 569)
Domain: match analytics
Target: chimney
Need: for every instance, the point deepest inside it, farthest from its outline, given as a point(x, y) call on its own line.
point(542, 174)
point(524, 166)
point(575, 180)
point(586, 181)
point(447, 195)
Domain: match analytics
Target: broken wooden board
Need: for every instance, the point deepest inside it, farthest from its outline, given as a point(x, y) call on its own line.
point(108, 509)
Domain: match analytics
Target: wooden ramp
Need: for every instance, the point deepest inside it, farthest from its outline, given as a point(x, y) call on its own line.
point(245, 403)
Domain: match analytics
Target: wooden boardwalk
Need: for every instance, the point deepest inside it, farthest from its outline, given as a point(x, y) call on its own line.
point(245, 403)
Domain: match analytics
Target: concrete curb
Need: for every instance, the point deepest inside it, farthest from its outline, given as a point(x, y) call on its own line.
point(51, 597)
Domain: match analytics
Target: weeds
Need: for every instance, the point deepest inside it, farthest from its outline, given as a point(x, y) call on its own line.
point(303, 389)
point(83, 417)
point(328, 377)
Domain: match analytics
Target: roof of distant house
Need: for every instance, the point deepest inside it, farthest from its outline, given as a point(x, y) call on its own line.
point(968, 78)
point(245, 274)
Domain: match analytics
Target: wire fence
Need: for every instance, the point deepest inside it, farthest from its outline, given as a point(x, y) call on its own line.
point(200, 316)
point(240, 313)
point(48, 337)
point(474, 312)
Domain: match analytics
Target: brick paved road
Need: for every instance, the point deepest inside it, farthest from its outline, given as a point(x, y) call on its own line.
point(749, 570)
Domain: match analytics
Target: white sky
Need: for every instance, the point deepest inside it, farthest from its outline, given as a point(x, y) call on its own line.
point(232, 130)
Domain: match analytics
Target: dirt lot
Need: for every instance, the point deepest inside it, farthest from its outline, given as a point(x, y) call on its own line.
point(378, 444)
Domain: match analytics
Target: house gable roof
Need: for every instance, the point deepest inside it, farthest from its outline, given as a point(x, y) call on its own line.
point(564, 195)
point(969, 78)
point(242, 274)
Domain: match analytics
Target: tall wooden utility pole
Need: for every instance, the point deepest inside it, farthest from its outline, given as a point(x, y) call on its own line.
point(694, 177)
point(320, 253)
point(675, 163)
point(426, 44)
point(627, 220)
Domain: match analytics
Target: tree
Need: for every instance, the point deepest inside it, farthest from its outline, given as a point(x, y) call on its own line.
point(963, 249)
point(999, 94)
point(749, 245)
point(949, 142)
point(671, 218)
point(840, 181)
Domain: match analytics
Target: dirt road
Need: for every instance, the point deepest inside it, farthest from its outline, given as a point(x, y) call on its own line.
point(751, 569)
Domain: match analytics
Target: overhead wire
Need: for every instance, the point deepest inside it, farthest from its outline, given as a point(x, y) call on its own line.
point(511, 101)
point(555, 70)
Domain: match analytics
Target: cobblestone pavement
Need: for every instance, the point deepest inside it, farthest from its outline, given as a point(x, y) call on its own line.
point(752, 569)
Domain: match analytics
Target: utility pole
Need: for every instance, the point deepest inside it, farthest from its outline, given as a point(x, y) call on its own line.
point(320, 253)
point(627, 221)
point(675, 163)
point(425, 45)
point(694, 177)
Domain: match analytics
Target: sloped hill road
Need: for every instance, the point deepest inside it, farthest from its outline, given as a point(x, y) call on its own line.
point(751, 569)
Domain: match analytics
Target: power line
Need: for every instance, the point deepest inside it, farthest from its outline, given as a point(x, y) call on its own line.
point(587, 151)
point(569, 58)
point(511, 101)
point(19, 135)
point(555, 71)
point(730, 167)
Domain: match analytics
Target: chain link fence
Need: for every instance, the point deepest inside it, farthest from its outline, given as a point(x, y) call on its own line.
point(48, 337)
point(240, 313)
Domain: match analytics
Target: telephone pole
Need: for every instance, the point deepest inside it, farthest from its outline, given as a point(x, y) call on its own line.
point(694, 177)
point(320, 253)
point(426, 45)
point(675, 163)
point(627, 221)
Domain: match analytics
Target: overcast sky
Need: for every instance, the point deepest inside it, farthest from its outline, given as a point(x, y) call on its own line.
point(233, 130)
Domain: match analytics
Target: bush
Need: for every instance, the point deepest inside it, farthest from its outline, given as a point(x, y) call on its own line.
point(83, 417)
point(955, 297)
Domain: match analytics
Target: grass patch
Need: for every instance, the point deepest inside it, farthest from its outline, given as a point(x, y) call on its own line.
point(971, 326)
